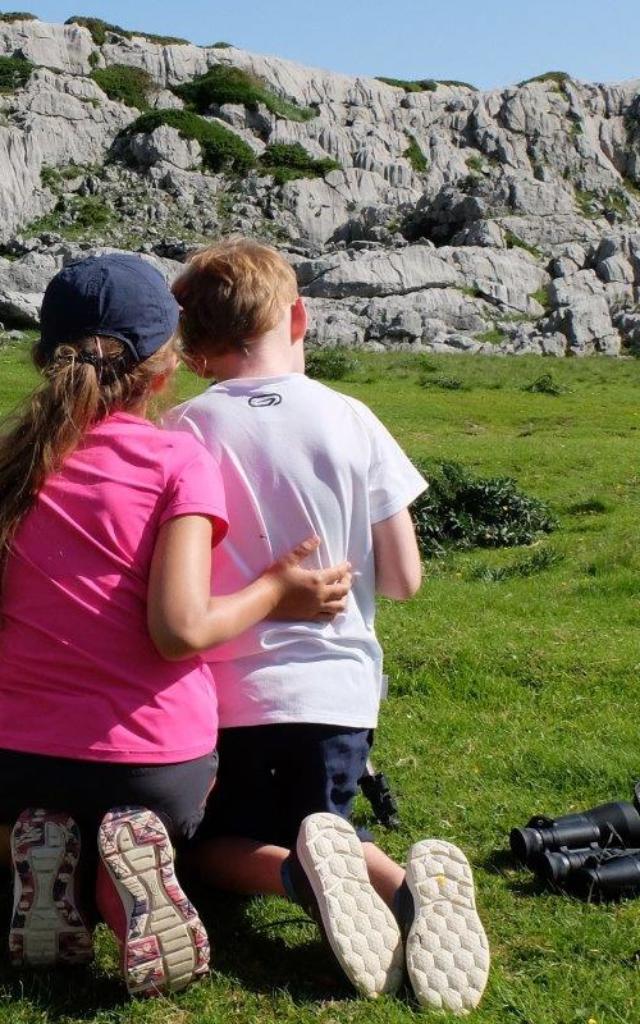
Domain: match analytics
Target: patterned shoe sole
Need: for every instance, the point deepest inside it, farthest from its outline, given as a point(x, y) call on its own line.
point(165, 946)
point(360, 928)
point(447, 951)
point(46, 925)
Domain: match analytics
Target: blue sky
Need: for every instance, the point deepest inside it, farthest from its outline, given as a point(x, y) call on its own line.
point(486, 42)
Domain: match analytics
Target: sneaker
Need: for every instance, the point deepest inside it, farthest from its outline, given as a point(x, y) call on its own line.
point(329, 876)
point(164, 943)
point(447, 952)
point(47, 926)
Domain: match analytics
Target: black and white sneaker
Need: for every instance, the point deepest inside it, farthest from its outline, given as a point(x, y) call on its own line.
point(329, 875)
point(447, 952)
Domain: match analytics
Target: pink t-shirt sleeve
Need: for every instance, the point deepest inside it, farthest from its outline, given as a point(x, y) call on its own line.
point(194, 487)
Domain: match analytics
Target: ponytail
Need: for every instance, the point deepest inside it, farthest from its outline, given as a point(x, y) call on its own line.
point(83, 383)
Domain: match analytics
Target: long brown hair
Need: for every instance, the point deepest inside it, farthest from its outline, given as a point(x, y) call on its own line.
point(83, 383)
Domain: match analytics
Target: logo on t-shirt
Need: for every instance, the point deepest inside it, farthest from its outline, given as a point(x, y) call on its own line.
point(266, 399)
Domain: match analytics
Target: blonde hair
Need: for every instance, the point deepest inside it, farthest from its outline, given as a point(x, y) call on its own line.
point(231, 293)
point(83, 383)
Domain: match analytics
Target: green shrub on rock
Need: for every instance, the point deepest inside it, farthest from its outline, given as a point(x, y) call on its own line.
point(14, 73)
point(225, 84)
point(415, 156)
point(222, 150)
point(420, 85)
point(125, 84)
point(11, 16)
point(288, 161)
point(100, 30)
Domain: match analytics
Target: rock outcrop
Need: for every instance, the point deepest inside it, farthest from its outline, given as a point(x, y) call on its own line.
point(445, 219)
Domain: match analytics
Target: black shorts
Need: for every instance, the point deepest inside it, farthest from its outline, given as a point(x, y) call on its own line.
point(273, 776)
point(177, 793)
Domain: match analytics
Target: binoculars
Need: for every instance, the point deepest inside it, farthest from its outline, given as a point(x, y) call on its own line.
point(594, 855)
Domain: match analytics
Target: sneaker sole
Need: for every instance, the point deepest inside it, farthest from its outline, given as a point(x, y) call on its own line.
point(447, 951)
point(360, 928)
point(46, 925)
point(165, 946)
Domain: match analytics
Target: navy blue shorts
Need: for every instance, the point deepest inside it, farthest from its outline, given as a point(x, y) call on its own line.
point(270, 777)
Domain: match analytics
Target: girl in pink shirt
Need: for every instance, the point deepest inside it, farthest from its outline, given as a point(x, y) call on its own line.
point(106, 530)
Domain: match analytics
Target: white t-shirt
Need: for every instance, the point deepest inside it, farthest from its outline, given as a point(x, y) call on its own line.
point(298, 458)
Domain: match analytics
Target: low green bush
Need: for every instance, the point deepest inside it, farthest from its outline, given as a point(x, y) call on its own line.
point(442, 383)
point(415, 156)
point(460, 510)
point(224, 84)
point(221, 149)
point(287, 161)
point(541, 296)
point(513, 241)
point(475, 163)
point(100, 30)
point(558, 78)
point(50, 176)
point(422, 85)
point(546, 385)
point(91, 212)
point(331, 363)
point(125, 84)
point(14, 73)
point(454, 84)
point(10, 16)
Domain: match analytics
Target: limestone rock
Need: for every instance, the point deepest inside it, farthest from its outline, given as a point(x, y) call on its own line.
point(452, 214)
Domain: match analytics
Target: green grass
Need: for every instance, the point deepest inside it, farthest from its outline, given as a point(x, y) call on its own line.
point(514, 241)
point(493, 336)
point(89, 214)
point(511, 693)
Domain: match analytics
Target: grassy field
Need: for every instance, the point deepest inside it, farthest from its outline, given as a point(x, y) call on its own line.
point(506, 698)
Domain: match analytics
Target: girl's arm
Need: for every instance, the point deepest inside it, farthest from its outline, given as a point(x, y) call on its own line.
point(184, 618)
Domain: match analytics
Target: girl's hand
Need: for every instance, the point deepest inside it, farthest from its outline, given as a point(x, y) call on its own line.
point(309, 594)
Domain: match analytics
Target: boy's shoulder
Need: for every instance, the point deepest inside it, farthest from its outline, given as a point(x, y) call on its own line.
point(259, 390)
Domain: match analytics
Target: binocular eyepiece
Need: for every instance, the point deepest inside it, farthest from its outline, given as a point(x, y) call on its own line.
point(594, 854)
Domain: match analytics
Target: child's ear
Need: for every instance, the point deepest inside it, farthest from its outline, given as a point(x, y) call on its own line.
point(299, 320)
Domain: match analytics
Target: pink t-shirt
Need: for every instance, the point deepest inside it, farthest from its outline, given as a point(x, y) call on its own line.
point(79, 675)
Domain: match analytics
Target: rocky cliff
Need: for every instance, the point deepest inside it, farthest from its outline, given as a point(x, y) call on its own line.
point(418, 214)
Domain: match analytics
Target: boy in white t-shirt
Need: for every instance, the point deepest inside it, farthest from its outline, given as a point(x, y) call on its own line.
point(298, 701)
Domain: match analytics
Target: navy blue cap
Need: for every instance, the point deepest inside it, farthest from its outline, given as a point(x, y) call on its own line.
point(118, 295)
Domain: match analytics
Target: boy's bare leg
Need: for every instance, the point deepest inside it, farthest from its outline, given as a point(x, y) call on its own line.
point(245, 866)
point(385, 875)
point(238, 865)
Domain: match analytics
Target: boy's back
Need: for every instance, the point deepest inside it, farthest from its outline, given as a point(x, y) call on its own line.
point(297, 458)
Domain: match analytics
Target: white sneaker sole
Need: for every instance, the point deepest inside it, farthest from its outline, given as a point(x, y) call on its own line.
point(46, 925)
point(361, 930)
point(447, 951)
point(165, 945)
